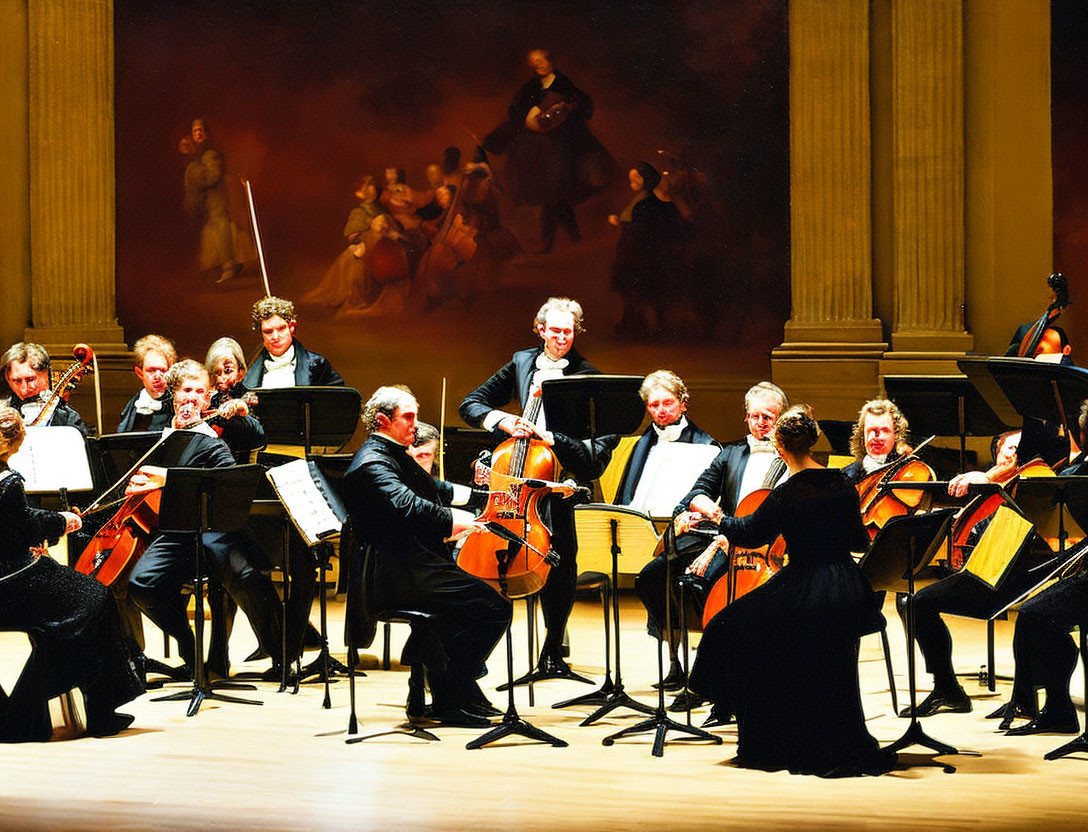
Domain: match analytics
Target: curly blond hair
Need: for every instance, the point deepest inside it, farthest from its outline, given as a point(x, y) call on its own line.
point(269, 307)
point(878, 407)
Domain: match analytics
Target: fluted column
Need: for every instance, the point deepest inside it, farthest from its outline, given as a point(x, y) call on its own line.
point(72, 174)
point(928, 177)
point(832, 341)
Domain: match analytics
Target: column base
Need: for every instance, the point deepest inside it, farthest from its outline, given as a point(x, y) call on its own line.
point(835, 377)
point(926, 353)
point(104, 339)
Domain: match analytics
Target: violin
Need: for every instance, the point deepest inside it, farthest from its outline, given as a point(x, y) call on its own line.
point(66, 384)
point(881, 501)
point(1041, 338)
point(515, 569)
point(748, 568)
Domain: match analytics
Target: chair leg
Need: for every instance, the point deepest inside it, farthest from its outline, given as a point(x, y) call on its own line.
point(387, 638)
point(991, 671)
point(888, 665)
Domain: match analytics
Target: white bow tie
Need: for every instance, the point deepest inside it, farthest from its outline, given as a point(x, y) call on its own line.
point(146, 405)
point(760, 446)
point(871, 463)
point(546, 362)
point(670, 433)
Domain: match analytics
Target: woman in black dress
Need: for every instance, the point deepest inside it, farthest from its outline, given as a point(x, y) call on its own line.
point(70, 618)
point(783, 658)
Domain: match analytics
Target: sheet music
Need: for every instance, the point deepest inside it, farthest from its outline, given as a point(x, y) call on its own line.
point(670, 471)
point(53, 457)
point(304, 502)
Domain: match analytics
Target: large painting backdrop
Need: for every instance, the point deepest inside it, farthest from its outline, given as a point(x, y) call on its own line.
point(303, 98)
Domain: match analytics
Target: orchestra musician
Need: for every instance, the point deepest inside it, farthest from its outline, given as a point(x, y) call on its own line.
point(880, 436)
point(1045, 654)
point(394, 508)
point(70, 617)
point(556, 324)
point(26, 375)
point(152, 407)
point(738, 470)
point(784, 657)
point(283, 361)
point(666, 398)
point(167, 564)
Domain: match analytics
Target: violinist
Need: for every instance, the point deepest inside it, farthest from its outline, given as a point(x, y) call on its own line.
point(70, 617)
point(1045, 654)
point(282, 360)
point(394, 508)
point(152, 407)
point(556, 324)
point(666, 398)
point(167, 564)
point(26, 375)
point(879, 437)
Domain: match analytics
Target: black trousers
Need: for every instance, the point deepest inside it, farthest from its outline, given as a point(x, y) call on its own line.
point(650, 584)
point(169, 562)
point(1045, 653)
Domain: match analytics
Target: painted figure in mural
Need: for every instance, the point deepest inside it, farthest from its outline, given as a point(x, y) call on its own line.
point(646, 253)
point(225, 243)
point(554, 160)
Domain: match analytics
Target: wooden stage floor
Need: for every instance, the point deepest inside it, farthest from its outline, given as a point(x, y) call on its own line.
point(285, 765)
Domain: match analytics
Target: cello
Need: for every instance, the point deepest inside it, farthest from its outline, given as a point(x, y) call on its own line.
point(881, 501)
point(515, 567)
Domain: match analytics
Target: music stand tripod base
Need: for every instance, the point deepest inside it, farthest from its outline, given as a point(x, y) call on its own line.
point(406, 729)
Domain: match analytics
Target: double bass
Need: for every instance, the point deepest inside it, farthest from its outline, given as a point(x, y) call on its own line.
point(1041, 337)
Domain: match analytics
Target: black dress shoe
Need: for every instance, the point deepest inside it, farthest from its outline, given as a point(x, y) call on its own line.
point(956, 702)
point(675, 680)
point(113, 724)
point(1046, 723)
point(719, 716)
point(684, 701)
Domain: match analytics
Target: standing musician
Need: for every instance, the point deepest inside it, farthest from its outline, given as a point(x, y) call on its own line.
point(151, 408)
point(880, 436)
point(282, 360)
point(666, 397)
point(26, 375)
point(394, 508)
point(556, 324)
point(741, 468)
point(167, 564)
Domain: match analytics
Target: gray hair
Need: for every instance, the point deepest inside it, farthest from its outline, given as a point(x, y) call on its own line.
point(425, 432)
point(25, 351)
point(560, 305)
point(385, 400)
point(225, 347)
point(765, 390)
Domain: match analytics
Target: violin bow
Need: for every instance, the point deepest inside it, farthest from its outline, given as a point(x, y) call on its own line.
point(442, 434)
point(257, 237)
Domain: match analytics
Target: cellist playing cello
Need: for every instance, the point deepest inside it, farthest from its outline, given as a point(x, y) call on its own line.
point(556, 324)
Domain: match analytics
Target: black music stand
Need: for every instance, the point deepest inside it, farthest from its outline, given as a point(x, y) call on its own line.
point(945, 405)
point(660, 722)
point(1038, 498)
point(308, 418)
point(588, 407)
point(195, 501)
point(916, 540)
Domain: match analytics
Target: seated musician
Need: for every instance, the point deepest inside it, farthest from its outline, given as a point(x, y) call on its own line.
point(226, 366)
point(1045, 654)
point(879, 437)
point(152, 407)
point(70, 617)
point(394, 508)
point(26, 375)
point(167, 564)
point(556, 324)
point(961, 593)
point(741, 468)
point(283, 361)
point(424, 450)
point(666, 398)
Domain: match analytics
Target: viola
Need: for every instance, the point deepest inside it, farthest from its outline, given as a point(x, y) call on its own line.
point(748, 568)
point(66, 384)
point(881, 501)
point(514, 569)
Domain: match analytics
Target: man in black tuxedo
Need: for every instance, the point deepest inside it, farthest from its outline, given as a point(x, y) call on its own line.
point(151, 408)
point(394, 508)
point(739, 469)
point(666, 397)
point(282, 360)
point(25, 369)
point(167, 564)
point(556, 324)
